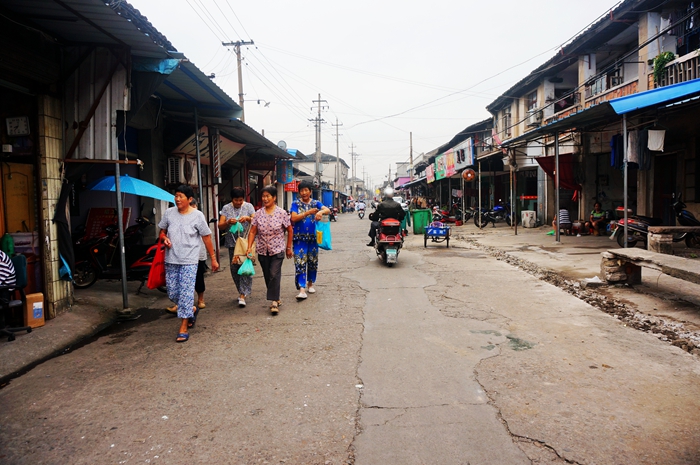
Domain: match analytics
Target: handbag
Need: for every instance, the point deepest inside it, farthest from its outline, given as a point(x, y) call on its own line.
point(247, 268)
point(156, 275)
point(323, 235)
point(240, 251)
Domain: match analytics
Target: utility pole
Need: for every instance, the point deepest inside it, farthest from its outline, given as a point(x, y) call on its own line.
point(411, 157)
point(337, 158)
point(353, 163)
point(390, 184)
point(237, 48)
point(317, 121)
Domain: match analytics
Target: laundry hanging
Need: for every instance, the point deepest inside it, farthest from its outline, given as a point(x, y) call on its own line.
point(656, 139)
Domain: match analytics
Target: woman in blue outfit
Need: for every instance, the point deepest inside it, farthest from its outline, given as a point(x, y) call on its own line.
point(182, 229)
point(304, 213)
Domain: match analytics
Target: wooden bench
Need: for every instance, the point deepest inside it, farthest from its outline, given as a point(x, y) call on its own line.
point(661, 237)
point(625, 266)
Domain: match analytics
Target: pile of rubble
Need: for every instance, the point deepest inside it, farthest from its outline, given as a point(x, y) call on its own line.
point(666, 330)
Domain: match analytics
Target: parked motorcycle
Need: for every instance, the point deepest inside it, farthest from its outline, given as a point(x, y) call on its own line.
point(500, 212)
point(389, 241)
point(686, 218)
point(98, 258)
point(638, 228)
point(444, 216)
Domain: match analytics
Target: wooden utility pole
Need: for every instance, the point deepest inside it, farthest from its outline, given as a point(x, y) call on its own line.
point(237, 48)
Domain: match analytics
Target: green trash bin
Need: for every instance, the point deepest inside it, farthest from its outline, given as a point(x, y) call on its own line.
point(421, 219)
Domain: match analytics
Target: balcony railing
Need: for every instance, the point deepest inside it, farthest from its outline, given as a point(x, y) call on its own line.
point(682, 69)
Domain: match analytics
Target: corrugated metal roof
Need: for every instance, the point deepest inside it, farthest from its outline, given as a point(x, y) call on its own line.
point(655, 97)
point(94, 22)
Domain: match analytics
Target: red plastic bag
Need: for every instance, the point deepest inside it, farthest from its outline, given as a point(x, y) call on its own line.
point(156, 277)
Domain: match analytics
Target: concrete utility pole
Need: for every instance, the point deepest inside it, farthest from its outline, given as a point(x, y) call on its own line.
point(317, 122)
point(337, 158)
point(410, 174)
point(353, 163)
point(237, 48)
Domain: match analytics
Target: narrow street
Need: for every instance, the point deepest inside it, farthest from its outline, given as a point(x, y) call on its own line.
point(450, 357)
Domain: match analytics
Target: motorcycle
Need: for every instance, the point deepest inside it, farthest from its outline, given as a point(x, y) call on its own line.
point(333, 216)
point(686, 218)
point(443, 216)
point(98, 258)
point(389, 241)
point(500, 212)
point(361, 213)
point(638, 228)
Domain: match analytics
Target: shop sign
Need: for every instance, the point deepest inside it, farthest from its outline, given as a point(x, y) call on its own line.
point(292, 186)
point(285, 171)
point(440, 167)
point(430, 173)
point(463, 154)
point(450, 163)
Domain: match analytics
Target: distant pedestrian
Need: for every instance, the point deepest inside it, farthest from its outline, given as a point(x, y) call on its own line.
point(238, 211)
point(268, 227)
point(305, 212)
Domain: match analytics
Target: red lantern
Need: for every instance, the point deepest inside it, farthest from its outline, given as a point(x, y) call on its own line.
point(469, 175)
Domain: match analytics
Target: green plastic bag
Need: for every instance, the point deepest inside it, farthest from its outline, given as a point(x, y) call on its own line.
point(247, 268)
point(7, 245)
point(237, 228)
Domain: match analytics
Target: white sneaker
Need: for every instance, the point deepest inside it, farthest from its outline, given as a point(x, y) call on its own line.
point(301, 295)
point(311, 289)
point(241, 302)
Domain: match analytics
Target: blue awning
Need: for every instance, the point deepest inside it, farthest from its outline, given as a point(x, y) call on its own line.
point(655, 97)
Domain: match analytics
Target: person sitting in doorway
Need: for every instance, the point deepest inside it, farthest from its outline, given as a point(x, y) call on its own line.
point(564, 221)
point(598, 220)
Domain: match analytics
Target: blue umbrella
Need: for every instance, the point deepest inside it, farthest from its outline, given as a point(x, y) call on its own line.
point(130, 185)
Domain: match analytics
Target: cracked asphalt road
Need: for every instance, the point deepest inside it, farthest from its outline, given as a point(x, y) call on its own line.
point(450, 357)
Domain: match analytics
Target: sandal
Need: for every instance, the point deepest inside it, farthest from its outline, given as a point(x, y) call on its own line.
point(192, 320)
point(274, 308)
point(182, 337)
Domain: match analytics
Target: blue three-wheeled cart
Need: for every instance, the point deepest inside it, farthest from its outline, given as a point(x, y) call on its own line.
point(436, 232)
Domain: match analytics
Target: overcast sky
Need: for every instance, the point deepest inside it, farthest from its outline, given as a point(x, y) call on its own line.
point(385, 68)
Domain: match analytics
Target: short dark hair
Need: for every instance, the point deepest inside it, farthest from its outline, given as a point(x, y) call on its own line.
point(186, 190)
point(272, 190)
point(237, 193)
point(305, 185)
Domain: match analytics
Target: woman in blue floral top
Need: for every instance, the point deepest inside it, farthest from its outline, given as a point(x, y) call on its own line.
point(305, 212)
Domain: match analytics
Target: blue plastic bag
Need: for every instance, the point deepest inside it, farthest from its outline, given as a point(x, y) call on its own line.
point(247, 268)
point(323, 235)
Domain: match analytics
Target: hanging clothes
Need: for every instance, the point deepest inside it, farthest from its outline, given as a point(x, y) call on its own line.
point(633, 149)
point(617, 151)
point(656, 139)
point(643, 150)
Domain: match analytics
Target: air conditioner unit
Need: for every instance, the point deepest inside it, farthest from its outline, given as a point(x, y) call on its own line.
point(534, 118)
point(181, 171)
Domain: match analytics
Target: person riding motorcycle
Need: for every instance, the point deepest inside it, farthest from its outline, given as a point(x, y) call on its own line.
point(388, 208)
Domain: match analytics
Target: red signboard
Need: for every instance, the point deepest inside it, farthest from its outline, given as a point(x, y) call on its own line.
point(292, 186)
point(528, 197)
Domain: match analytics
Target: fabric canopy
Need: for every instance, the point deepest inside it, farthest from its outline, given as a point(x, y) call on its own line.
point(566, 170)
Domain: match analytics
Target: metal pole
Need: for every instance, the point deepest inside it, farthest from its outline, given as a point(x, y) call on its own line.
point(120, 227)
point(199, 158)
point(556, 184)
point(624, 164)
point(479, 192)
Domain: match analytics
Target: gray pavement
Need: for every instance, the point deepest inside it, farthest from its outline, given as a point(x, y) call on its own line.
point(452, 356)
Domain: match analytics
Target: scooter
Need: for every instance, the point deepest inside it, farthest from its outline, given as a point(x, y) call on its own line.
point(333, 216)
point(638, 230)
point(686, 218)
point(500, 212)
point(98, 259)
point(443, 216)
point(389, 241)
point(361, 213)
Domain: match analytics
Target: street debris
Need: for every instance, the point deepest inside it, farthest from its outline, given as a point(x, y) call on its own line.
point(674, 332)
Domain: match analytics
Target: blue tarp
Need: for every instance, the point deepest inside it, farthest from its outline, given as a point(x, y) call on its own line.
point(155, 65)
